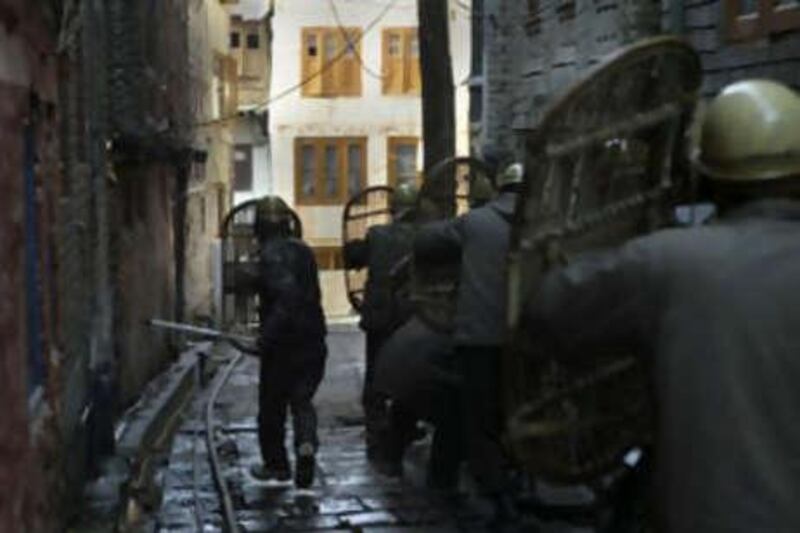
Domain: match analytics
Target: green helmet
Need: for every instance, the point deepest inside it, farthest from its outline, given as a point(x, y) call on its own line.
point(273, 217)
point(480, 191)
point(404, 198)
point(512, 175)
point(750, 133)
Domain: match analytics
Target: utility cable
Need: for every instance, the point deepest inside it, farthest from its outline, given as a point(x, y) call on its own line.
point(351, 44)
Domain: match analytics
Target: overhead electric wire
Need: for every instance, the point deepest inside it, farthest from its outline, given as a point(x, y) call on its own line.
point(350, 44)
point(308, 79)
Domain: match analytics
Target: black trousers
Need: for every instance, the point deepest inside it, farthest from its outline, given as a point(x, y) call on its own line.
point(481, 408)
point(374, 402)
point(289, 379)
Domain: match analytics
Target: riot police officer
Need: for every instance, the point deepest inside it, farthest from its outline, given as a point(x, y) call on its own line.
point(384, 308)
point(416, 369)
point(479, 239)
point(714, 312)
point(291, 344)
point(481, 192)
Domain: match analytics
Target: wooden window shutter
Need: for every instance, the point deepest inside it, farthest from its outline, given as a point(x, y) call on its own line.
point(349, 69)
point(393, 64)
point(232, 86)
point(330, 44)
point(311, 60)
point(413, 78)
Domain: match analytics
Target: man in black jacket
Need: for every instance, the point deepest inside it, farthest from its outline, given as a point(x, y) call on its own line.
point(291, 345)
point(714, 312)
point(480, 239)
point(384, 309)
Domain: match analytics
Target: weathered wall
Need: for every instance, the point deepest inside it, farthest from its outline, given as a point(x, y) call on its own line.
point(27, 97)
point(209, 190)
point(533, 50)
point(775, 56)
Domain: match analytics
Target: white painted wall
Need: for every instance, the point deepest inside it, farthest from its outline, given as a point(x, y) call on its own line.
point(372, 115)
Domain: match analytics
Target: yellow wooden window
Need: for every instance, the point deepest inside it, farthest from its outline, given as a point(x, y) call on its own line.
point(401, 74)
point(329, 60)
point(402, 160)
point(329, 170)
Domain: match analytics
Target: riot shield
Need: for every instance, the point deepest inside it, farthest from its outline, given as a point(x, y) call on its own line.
point(239, 260)
point(444, 194)
point(599, 171)
point(370, 207)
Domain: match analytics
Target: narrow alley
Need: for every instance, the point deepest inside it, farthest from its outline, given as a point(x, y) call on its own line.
point(399, 266)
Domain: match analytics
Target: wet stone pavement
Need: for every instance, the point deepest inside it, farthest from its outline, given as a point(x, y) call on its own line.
point(347, 494)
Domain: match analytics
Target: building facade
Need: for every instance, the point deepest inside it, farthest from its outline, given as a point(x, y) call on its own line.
point(532, 50)
point(214, 94)
point(345, 111)
point(251, 45)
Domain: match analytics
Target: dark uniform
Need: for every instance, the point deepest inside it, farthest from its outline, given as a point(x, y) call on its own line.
point(384, 309)
point(292, 347)
point(480, 239)
point(416, 369)
point(715, 312)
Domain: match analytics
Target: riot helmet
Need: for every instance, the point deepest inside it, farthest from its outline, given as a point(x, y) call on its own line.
point(273, 218)
point(511, 177)
point(750, 134)
point(480, 192)
point(495, 158)
point(404, 200)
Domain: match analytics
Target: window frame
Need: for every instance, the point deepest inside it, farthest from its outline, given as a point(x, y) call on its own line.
point(333, 82)
point(243, 179)
point(392, 143)
point(252, 41)
point(767, 19)
point(319, 198)
point(407, 61)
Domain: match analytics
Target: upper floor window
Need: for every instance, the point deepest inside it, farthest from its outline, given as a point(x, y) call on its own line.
point(253, 41)
point(401, 74)
point(329, 62)
point(753, 19)
point(236, 39)
point(329, 170)
point(402, 160)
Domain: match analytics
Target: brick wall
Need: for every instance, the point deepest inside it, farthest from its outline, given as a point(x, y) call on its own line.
point(534, 50)
point(776, 56)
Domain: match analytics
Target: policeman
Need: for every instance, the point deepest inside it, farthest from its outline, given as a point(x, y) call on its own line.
point(479, 239)
point(714, 312)
point(480, 192)
point(416, 369)
point(291, 345)
point(384, 247)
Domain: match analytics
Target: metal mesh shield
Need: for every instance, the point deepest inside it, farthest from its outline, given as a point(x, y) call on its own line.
point(240, 260)
point(366, 209)
point(599, 171)
point(445, 194)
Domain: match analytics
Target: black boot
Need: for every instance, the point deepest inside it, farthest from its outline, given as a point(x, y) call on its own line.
point(264, 472)
point(305, 467)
